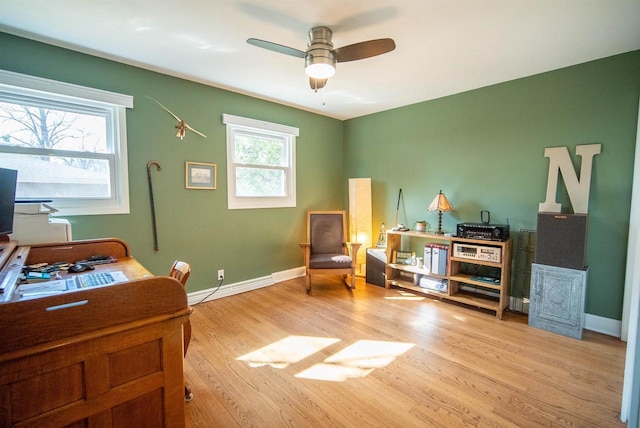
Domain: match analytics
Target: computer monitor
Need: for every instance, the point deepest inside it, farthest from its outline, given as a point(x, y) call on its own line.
point(8, 182)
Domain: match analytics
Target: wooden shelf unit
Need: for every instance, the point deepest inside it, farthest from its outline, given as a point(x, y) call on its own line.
point(460, 287)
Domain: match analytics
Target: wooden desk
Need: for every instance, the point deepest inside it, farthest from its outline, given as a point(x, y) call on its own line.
point(102, 357)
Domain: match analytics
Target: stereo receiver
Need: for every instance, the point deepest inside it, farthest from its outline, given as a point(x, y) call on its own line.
point(477, 252)
point(490, 232)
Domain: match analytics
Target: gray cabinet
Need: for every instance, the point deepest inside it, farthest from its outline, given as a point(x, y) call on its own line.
point(557, 299)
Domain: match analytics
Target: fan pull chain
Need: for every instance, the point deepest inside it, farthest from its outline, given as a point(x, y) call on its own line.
point(323, 103)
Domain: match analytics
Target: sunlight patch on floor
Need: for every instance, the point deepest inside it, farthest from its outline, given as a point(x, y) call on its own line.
point(426, 317)
point(405, 295)
point(357, 360)
point(333, 372)
point(287, 351)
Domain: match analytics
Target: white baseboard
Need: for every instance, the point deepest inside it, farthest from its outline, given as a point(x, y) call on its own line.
point(243, 286)
point(603, 325)
point(289, 274)
point(595, 323)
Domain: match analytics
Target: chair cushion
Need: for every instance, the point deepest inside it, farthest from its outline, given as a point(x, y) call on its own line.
point(329, 261)
point(326, 234)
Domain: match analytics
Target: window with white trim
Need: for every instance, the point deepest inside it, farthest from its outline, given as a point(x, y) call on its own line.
point(261, 160)
point(67, 142)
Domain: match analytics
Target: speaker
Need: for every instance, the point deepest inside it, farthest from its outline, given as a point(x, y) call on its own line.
point(562, 240)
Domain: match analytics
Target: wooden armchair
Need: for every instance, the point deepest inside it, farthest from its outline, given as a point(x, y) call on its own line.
point(327, 250)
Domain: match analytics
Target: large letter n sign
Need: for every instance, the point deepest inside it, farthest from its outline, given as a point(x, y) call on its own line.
point(578, 189)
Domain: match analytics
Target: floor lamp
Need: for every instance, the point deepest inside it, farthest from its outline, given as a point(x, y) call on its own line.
point(360, 223)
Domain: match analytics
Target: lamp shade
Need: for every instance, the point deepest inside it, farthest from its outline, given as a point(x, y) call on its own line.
point(440, 203)
point(360, 224)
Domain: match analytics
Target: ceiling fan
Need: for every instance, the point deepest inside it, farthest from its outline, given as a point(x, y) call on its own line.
point(320, 58)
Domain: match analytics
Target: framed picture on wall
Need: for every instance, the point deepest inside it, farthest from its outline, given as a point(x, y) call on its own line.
point(200, 175)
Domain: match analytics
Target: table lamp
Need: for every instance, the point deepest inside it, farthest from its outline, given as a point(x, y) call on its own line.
point(440, 204)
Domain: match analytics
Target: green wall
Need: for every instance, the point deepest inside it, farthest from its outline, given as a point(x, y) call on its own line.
point(485, 150)
point(194, 225)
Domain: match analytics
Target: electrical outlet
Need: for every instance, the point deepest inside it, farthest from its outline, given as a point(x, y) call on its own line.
point(220, 274)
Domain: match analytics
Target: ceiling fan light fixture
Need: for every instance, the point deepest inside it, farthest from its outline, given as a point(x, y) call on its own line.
point(320, 64)
point(320, 71)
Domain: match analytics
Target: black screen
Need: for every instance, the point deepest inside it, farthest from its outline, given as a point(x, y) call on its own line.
point(8, 180)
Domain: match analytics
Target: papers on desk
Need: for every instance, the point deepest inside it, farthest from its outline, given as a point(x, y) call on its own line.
point(42, 289)
point(77, 282)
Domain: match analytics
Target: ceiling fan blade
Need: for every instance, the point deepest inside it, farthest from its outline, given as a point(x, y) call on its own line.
point(317, 83)
point(364, 50)
point(277, 48)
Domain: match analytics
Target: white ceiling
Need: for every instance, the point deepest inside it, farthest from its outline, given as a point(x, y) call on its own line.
point(443, 46)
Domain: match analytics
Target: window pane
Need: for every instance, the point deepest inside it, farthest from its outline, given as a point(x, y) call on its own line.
point(259, 182)
point(261, 163)
point(259, 151)
point(68, 143)
point(26, 125)
point(50, 177)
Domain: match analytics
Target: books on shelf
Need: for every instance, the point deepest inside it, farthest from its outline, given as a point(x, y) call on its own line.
point(436, 257)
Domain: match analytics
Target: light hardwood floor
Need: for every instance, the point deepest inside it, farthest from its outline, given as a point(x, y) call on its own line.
point(395, 359)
